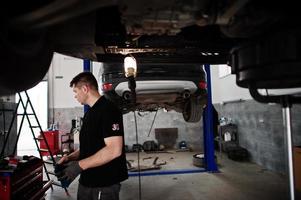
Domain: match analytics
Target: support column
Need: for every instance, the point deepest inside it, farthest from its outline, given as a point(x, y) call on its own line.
point(210, 163)
point(87, 68)
point(287, 122)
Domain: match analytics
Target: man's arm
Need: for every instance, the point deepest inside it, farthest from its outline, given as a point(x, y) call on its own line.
point(73, 156)
point(112, 150)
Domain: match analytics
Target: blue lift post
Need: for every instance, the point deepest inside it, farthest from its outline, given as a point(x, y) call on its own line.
point(208, 128)
point(87, 68)
point(209, 158)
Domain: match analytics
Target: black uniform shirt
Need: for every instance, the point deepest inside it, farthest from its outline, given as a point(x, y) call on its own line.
point(102, 120)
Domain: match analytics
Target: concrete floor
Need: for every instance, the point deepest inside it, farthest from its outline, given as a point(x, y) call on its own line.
point(236, 180)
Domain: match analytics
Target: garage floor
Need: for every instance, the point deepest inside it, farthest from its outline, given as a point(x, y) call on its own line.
point(236, 180)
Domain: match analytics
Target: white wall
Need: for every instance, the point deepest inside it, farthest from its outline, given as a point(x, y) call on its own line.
point(225, 89)
point(62, 70)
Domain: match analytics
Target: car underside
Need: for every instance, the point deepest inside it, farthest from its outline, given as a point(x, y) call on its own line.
point(258, 39)
point(158, 86)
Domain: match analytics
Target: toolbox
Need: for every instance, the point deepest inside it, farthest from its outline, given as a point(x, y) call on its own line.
point(52, 138)
point(22, 178)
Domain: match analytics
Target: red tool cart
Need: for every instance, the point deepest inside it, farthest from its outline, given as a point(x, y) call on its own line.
point(22, 178)
point(52, 138)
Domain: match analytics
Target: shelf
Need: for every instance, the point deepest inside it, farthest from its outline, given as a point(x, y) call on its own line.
point(67, 141)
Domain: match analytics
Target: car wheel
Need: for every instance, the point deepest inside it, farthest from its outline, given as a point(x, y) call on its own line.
point(24, 62)
point(192, 110)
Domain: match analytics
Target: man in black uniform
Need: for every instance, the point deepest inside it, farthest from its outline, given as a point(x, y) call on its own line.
point(101, 157)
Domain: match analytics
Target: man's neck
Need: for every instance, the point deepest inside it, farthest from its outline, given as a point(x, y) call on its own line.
point(93, 98)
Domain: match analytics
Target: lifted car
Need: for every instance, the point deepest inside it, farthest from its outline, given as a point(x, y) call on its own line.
point(164, 85)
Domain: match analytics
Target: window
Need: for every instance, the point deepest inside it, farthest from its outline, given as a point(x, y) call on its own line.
point(39, 98)
point(224, 70)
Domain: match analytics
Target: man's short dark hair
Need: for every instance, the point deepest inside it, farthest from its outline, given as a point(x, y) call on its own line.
point(84, 78)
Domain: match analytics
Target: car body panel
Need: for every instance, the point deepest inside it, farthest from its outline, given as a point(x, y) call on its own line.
point(157, 87)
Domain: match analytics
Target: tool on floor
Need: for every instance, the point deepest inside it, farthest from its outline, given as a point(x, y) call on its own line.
point(158, 164)
point(147, 158)
point(129, 165)
point(155, 165)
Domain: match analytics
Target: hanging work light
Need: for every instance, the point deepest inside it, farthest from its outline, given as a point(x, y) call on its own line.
point(130, 66)
point(130, 71)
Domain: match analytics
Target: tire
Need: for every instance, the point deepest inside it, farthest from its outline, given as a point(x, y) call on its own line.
point(192, 111)
point(24, 63)
point(198, 160)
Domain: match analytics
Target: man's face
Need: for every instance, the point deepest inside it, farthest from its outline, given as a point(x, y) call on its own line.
point(80, 94)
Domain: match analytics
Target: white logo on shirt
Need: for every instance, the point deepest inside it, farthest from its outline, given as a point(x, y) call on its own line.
point(115, 127)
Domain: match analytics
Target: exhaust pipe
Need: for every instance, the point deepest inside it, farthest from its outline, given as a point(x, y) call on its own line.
point(186, 94)
point(127, 95)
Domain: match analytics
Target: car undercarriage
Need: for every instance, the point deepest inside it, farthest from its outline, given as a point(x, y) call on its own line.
point(259, 40)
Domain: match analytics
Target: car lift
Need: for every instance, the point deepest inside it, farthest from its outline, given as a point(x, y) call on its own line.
point(87, 68)
point(209, 159)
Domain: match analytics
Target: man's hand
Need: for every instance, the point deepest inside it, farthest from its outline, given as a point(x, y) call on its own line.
point(69, 172)
point(63, 160)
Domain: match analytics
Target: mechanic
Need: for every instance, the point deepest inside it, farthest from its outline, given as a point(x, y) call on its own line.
point(101, 157)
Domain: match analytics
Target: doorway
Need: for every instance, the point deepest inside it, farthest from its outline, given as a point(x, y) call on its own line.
point(39, 98)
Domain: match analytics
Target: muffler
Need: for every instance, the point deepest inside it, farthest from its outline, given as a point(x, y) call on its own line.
point(186, 94)
point(127, 95)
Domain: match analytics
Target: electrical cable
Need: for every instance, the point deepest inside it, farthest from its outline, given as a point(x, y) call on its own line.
point(138, 155)
point(152, 123)
point(4, 128)
point(3, 133)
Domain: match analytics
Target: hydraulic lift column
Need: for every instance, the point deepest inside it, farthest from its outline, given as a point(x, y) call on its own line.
point(210, 164)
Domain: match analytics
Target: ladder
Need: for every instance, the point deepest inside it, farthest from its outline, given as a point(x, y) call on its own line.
point(34, 125)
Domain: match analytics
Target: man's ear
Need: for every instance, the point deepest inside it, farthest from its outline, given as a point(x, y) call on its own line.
point(85, 88)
